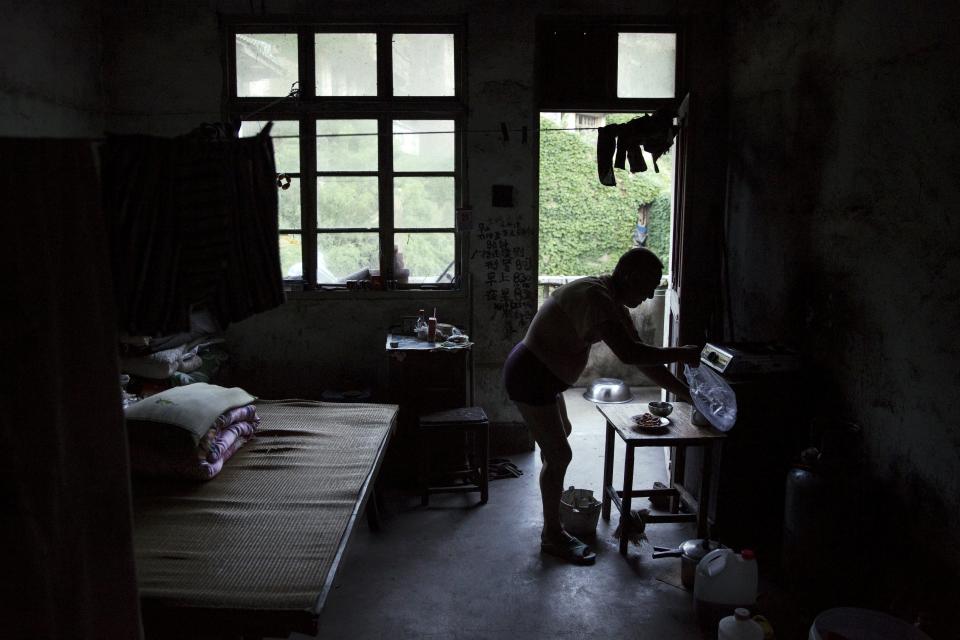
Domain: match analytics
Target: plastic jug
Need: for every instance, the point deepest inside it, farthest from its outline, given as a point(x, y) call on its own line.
point(725, 580)
point(739, 626)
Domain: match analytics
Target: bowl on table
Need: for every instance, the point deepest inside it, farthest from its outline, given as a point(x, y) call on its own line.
point(662, 409)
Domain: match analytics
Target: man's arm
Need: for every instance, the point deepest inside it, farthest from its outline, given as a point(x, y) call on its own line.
point(625, 343)
point(662, 377)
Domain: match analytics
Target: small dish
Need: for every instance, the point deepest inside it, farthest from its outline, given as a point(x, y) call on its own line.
point(664, 422)
point(662, 409)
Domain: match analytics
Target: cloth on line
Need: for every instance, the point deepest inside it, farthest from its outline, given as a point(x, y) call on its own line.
point(654, 133)
point(193, 222)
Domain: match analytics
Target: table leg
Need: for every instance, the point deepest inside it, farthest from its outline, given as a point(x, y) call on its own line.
point(484, 463)
point(607, 473)
point(625, 517)
point(676, 474)
point(703, 504)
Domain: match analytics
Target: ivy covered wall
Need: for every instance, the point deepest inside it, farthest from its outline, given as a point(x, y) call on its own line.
point(585, 226)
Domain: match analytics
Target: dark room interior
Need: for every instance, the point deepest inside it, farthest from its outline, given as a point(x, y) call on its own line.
point(813, 162)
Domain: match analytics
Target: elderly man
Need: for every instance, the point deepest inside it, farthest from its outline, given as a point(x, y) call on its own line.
point(554, 353)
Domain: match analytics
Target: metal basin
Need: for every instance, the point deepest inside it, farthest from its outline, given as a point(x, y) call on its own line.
point(608, 390)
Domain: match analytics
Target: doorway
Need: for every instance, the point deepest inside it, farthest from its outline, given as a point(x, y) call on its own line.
point(585, 226)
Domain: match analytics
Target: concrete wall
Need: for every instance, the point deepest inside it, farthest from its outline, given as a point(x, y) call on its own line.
point(164, 76)
point(843, 236)
point(50, 82)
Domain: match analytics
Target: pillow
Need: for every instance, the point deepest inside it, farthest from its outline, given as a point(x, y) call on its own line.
point(192, 408)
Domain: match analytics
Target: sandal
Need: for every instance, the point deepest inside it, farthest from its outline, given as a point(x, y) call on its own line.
point(571, 550)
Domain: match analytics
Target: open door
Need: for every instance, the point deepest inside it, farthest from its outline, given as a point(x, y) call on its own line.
point(673, 302)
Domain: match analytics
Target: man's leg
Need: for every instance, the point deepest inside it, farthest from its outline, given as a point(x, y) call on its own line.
point(546, 423)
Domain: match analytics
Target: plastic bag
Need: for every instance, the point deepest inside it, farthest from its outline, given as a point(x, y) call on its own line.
point(712, 396)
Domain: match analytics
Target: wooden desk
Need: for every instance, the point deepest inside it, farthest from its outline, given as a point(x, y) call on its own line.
point(680, 434)
point(424, 378)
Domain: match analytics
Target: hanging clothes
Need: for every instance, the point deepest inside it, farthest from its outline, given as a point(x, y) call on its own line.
point(653, 133)
point(66, 526)
point(193, 224)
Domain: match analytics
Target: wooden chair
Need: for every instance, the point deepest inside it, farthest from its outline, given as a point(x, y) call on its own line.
point(473, 423)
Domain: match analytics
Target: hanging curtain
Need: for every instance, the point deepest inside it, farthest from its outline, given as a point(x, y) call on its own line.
point(193, 223)
point(65, 516)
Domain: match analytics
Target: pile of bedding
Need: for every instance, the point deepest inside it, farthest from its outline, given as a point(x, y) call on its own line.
point(178, 359)
point(189, 432)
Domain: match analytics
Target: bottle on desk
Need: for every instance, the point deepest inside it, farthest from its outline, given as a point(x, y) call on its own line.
point(420, 328)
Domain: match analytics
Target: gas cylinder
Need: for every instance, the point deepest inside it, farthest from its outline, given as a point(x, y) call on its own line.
point(806, 527)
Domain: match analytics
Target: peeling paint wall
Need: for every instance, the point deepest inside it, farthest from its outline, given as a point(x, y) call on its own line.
point(50, 78)
point(843, 234)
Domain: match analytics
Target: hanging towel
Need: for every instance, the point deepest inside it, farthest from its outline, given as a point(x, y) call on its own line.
point(193, 223)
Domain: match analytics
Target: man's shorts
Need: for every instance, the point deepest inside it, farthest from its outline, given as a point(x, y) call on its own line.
point(528, 380)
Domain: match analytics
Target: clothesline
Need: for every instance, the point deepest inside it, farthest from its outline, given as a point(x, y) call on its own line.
point(404, 133)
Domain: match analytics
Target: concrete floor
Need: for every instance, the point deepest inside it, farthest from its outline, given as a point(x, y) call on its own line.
point(452, 570)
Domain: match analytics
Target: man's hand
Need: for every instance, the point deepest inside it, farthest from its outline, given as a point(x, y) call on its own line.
point(690, 354)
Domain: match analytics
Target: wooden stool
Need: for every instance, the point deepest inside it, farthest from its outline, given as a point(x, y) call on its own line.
point(472, 420)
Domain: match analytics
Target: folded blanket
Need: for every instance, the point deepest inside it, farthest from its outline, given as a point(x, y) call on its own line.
point(192, 408)
point(169, 458)
point(221, 445)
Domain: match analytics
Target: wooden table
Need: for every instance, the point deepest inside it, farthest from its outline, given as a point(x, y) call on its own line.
point(680, 434)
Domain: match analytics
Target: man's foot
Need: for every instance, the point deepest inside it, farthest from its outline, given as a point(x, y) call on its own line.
point(568, 548)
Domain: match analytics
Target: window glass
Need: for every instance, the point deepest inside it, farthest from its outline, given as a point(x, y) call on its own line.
point(266, 64)
point(347, 201)
point(646, 65)
point(288, 201)
point(423, 64)
point(291, 248)
point(423, 145)
point(428, 256)
point(346, 64)
point(423, 202)
point(340, 255)
point(339, 150)
point(286, 149)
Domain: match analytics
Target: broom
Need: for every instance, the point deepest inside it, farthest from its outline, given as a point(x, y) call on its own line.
point(636, 527)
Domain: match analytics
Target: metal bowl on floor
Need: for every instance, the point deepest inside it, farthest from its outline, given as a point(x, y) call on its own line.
point(608, 390)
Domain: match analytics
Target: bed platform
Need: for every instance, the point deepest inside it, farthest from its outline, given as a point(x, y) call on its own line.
point(254, 551)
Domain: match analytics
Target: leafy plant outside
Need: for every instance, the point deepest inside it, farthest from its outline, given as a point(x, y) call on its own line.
point(586, 226)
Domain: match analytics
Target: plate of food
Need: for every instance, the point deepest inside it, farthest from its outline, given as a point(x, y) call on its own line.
point(649, 422)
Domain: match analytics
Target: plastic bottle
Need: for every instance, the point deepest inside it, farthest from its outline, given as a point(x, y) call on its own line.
point(420, 328)
point(739, 626)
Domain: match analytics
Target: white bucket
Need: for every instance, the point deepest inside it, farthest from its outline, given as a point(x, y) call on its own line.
point(579, 512)
point(863, 624)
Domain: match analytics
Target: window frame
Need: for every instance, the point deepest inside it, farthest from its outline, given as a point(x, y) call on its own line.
point(606, 29)
point(384, 108)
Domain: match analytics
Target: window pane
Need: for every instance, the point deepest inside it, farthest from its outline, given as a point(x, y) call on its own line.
point(339, 151)
point(289, 204)
point(423, 202)
point(286, 151)
point(266, 64)
point(416, 146)
point(347, 201)
point(291, 252)
point(428, 256)
point(346, 64)
point(646, 65)
point(344, 254)
point(423, 64)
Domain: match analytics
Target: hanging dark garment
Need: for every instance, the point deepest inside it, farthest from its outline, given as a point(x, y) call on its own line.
point(65, 518)
point(654, 133)
point(193, 222)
